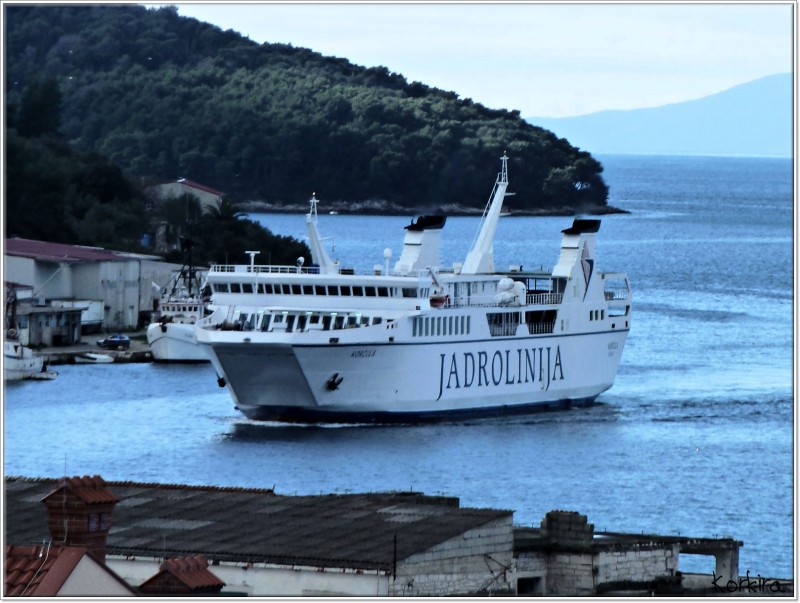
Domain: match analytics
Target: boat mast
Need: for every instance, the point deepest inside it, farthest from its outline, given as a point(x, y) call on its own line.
point(480, 258)
point(319, 255)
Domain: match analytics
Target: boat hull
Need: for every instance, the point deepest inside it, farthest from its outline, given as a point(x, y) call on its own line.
point(360, 383)
point(174, 342)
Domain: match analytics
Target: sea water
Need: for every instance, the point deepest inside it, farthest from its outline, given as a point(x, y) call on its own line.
point(695, 438)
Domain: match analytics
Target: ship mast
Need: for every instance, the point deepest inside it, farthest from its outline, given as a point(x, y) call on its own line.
point(319, 255)
point(480, 259)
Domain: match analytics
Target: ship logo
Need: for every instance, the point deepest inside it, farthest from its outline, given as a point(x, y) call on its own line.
point(588, 266)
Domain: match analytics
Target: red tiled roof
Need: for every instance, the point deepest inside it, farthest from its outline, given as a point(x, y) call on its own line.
point(38, 570)
point(201, 187)
point(91, 490)
point(59, 252)
point(192, 571)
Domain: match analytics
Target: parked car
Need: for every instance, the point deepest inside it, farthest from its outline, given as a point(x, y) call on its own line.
point(115, 342)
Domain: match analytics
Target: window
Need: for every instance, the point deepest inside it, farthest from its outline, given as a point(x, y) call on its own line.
point(308, 289)
point(602, 314)
point(377, 320)
point(236, 288)
point(468, 317)
point(93, 522)
point(438, 325)
point(358, 291)
point(352, 321)
point(287, 289)
point(103, 521)
point(313, 319)
point(260, 288)
point(383, 292)
point(409, 292)
point(370, 291)
point(290, 323)
point(221, 287)
point(427, 322)
point(339, 322)
point(333, 290)
point(450, 325)
point(247, 288)
point(345, 289)
point(319, 289)
point(301, 322)
point(365, 321)
point(268, 288)
point(295, 289)
point(326, 323)
point(414, 326)
point(265, 322)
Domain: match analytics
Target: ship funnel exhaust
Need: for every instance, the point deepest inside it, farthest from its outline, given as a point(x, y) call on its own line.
point(421, 244)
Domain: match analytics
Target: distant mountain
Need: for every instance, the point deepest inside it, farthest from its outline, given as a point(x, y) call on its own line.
point(752, 119)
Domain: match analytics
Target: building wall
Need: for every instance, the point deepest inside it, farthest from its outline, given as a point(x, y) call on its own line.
point(57, 281)
point(576, 573)
point(176, 189)
point(477, 560)
point(638, 564)
point(90, 579)
point(263, 580)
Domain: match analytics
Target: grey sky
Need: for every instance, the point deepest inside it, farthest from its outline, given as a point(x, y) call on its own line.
point(543, 59)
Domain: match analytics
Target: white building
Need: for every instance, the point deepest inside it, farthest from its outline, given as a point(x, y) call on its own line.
point(208, 196)
point(114, 288)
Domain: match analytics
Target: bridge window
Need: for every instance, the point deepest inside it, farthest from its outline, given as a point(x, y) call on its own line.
point(345, 289)
point(247, 288)
point(308, 289)
point(358, 291)
point(409, 292)
point(236, 288)
point(221, 287)
point(370, 291)
point(383, 292)
point(295, 289)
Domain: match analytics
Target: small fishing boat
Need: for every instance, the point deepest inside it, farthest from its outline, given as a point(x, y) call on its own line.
point(92, 358)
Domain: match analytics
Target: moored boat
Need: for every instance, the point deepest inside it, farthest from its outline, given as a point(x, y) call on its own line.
point(419, 342)
point(171, 337)
point(92, 358)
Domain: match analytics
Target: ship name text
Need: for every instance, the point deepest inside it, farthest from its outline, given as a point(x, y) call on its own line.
point(503, 367)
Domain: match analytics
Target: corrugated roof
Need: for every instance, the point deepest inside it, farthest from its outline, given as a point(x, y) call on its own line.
point(59, 252)
point(38, 570)
point(250, 525)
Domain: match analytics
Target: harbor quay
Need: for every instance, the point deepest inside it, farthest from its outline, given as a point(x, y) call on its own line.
point(138, 351)
point(153, 538)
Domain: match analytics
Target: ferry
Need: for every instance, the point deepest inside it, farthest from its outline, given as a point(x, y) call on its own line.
point(418, 342)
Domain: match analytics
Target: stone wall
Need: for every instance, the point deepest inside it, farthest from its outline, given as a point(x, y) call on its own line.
point(637, 564)
point(477, 561)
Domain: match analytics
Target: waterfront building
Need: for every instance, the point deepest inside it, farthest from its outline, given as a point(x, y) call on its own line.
point(260, 543)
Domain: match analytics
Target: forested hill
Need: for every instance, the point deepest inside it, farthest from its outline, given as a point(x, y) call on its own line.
point(167, 96)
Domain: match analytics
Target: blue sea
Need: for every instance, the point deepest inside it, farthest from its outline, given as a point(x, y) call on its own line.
point(695, 438)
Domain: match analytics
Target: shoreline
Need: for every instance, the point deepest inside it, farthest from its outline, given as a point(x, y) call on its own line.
point(386, 209)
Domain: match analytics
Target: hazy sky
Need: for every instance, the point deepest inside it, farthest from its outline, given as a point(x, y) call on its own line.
point(546, 60)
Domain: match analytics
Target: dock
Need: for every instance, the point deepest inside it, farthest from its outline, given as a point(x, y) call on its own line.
point(138, 351)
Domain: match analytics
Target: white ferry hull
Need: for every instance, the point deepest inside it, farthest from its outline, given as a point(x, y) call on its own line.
point(174, 342)
point(293, 383)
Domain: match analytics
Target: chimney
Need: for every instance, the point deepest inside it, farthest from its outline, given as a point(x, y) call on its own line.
point(183, 576)
point(79, 513)
point(421, 244)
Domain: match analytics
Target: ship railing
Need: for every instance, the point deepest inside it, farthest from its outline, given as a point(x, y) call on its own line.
point(544, 299)
point(536, 328)
point(614, 293)
point(503, 330)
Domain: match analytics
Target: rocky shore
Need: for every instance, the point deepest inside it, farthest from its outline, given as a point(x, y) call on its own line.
point(385, 208)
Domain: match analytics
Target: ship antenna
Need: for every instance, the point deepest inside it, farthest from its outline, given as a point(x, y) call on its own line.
point(480, 257)
point(313, 202)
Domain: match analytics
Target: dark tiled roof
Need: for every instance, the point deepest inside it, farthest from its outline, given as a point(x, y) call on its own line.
point(38, 570)
point(91, 490)
point(59, 252)
point(257, 526)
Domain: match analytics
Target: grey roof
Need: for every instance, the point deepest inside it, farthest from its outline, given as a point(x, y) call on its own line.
point(250, 525)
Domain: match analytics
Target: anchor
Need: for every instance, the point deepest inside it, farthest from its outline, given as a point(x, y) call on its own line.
point(334, 382)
